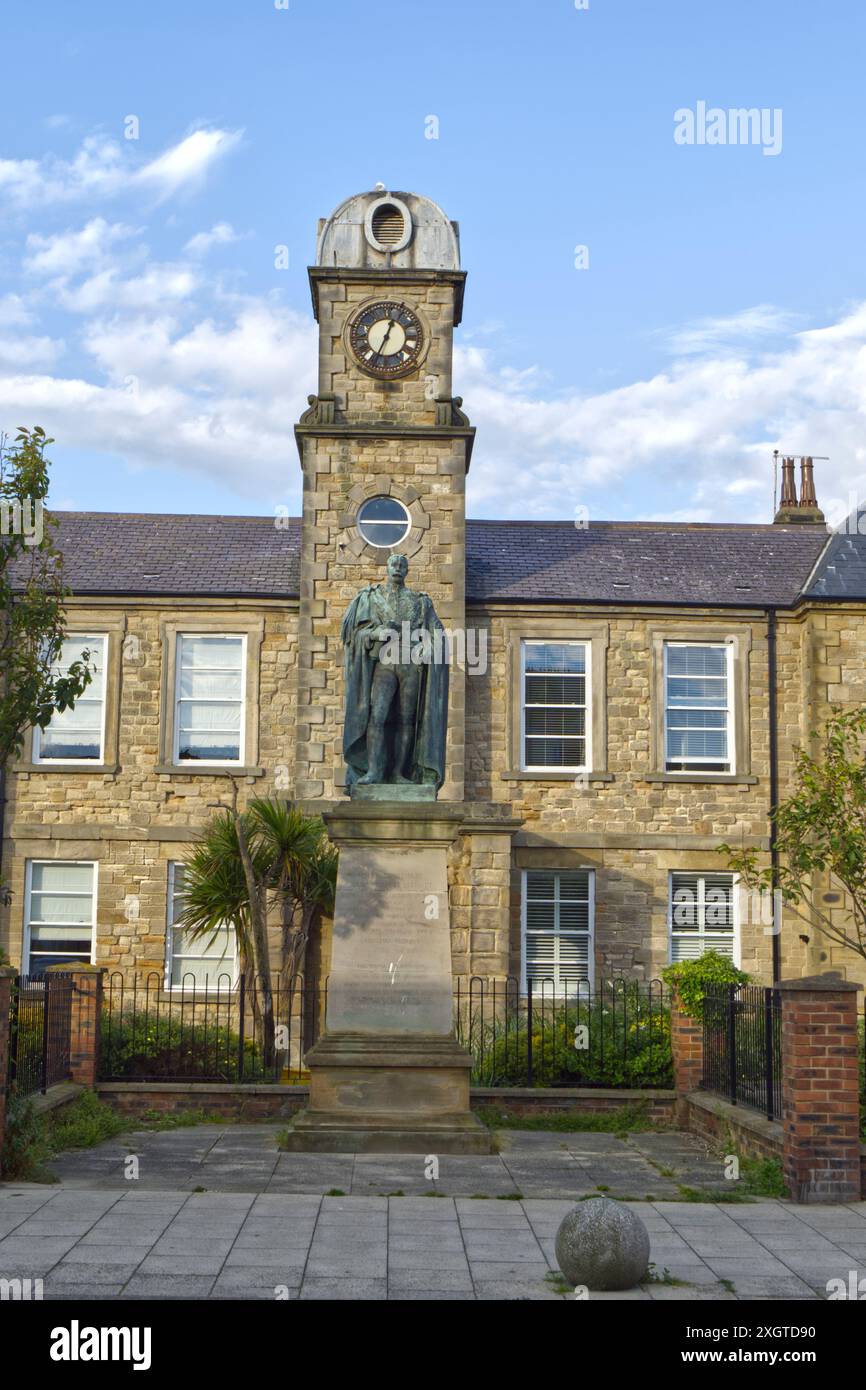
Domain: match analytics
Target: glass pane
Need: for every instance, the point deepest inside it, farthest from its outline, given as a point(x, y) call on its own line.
point(65, 936)
point(58, 743)
point(208, 685)
point(217, 945)
point(61, 877)
point(555, 753)
point(697, 718)
point(224, 653)
point(202, 974)
point(697, 661)
point(382, 509)
point(698, 744)
point(555, 690)
point(684, 902)
point(556, 721)
point(540, 883)
point(555, 656)
point(213, 747)
point(697, 691)
point(574, 884)
point(207, 716)
point(55, 907)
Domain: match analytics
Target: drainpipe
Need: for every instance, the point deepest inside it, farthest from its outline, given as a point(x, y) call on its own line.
point(774, 783)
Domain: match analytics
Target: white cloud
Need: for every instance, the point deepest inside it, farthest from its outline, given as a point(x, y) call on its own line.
point(219, 235)
point(711, 334)
point(105, 168)
point(14, 313)
point(68, 252)
point(187, 163)
point(21, 351)
point(107, 289)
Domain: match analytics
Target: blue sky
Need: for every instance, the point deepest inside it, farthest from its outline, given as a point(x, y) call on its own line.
point(723, 313)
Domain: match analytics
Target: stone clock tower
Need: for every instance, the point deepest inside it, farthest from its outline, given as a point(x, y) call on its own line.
point(384, 449)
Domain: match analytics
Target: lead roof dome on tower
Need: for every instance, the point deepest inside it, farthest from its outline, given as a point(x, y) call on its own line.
point(383, 230)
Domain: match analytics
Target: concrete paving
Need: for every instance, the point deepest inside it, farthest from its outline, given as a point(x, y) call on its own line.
point(219, 1213)
point(245, 1158)
point(152, 1244)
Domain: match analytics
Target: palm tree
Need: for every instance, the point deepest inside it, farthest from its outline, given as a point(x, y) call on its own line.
point(226, 884)
point(270, 854)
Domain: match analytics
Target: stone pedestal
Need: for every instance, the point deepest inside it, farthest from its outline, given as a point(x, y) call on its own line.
point(388, 1075)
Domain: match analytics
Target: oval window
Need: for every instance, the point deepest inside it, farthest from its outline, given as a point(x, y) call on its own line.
point(384, 522)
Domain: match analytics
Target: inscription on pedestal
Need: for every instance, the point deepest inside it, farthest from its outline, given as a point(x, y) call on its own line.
point(391, 963)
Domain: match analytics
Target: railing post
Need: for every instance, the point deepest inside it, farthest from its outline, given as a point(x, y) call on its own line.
point(732, 1044)
point(46, 1005)
point(241, 1023)
point(768, 1048)
point(529, 1075)
point(7, 983)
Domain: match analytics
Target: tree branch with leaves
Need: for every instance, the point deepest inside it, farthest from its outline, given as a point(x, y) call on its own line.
point(33, 596)
point(821, 828)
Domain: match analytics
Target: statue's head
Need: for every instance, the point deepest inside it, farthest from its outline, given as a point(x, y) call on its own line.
point(398, 566)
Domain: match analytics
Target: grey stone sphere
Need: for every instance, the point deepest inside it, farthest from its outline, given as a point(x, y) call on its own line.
point(603, 1245)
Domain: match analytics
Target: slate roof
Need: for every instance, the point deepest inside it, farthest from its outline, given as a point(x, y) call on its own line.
point(640, 562)
point(841, 572)
point(540, 561)
point(146, 553)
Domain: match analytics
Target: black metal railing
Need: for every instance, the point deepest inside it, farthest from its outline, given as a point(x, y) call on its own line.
point(742, 1027)
point(862, 1043)
point(40, 1023)
point(210, 1030)
point(613, 1032)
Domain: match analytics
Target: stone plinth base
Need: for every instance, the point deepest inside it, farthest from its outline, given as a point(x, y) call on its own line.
point(388, 1076)
point(388, 1094)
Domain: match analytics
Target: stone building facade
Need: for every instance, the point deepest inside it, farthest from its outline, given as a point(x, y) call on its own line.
point(618, 691)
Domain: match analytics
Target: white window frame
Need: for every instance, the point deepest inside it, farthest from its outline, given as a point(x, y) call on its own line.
point(590, 981)
point(701, 933)
point(180, 638)
point(99, 759)
point(170, 987)
point(702, 764)
point(586, 766)
point(28, 889)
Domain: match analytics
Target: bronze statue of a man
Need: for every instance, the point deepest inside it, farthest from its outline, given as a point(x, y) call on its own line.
point(396, 675)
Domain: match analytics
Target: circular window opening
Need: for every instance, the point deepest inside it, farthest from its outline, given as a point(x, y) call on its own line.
point(384, 522)
point(388, 225)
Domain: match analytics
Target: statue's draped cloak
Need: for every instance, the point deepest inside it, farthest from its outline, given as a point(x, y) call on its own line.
point(359, 666)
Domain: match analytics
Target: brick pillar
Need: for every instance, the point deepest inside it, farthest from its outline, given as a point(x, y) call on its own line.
point(7, 975)
point(687, 1048)
point(86, 1025)
point(820, 1089)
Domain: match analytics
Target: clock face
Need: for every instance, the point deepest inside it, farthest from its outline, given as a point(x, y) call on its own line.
point(386, 339)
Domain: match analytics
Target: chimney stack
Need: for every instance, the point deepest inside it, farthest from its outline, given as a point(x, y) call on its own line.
point(791, 511)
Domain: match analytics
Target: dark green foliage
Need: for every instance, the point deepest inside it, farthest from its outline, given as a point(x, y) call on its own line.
point(692, 978)
point(627, 1042)
point(141, 1044)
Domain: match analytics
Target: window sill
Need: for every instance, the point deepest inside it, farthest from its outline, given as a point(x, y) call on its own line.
point(105, 769)
point(207, 770)
point(543, 775)
point(734, 778)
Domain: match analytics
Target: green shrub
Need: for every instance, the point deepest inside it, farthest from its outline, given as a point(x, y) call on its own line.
point(26, 1145)
point(144, 1044)
point(83, 1123)
point(692, 978)
point(628, 1043)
